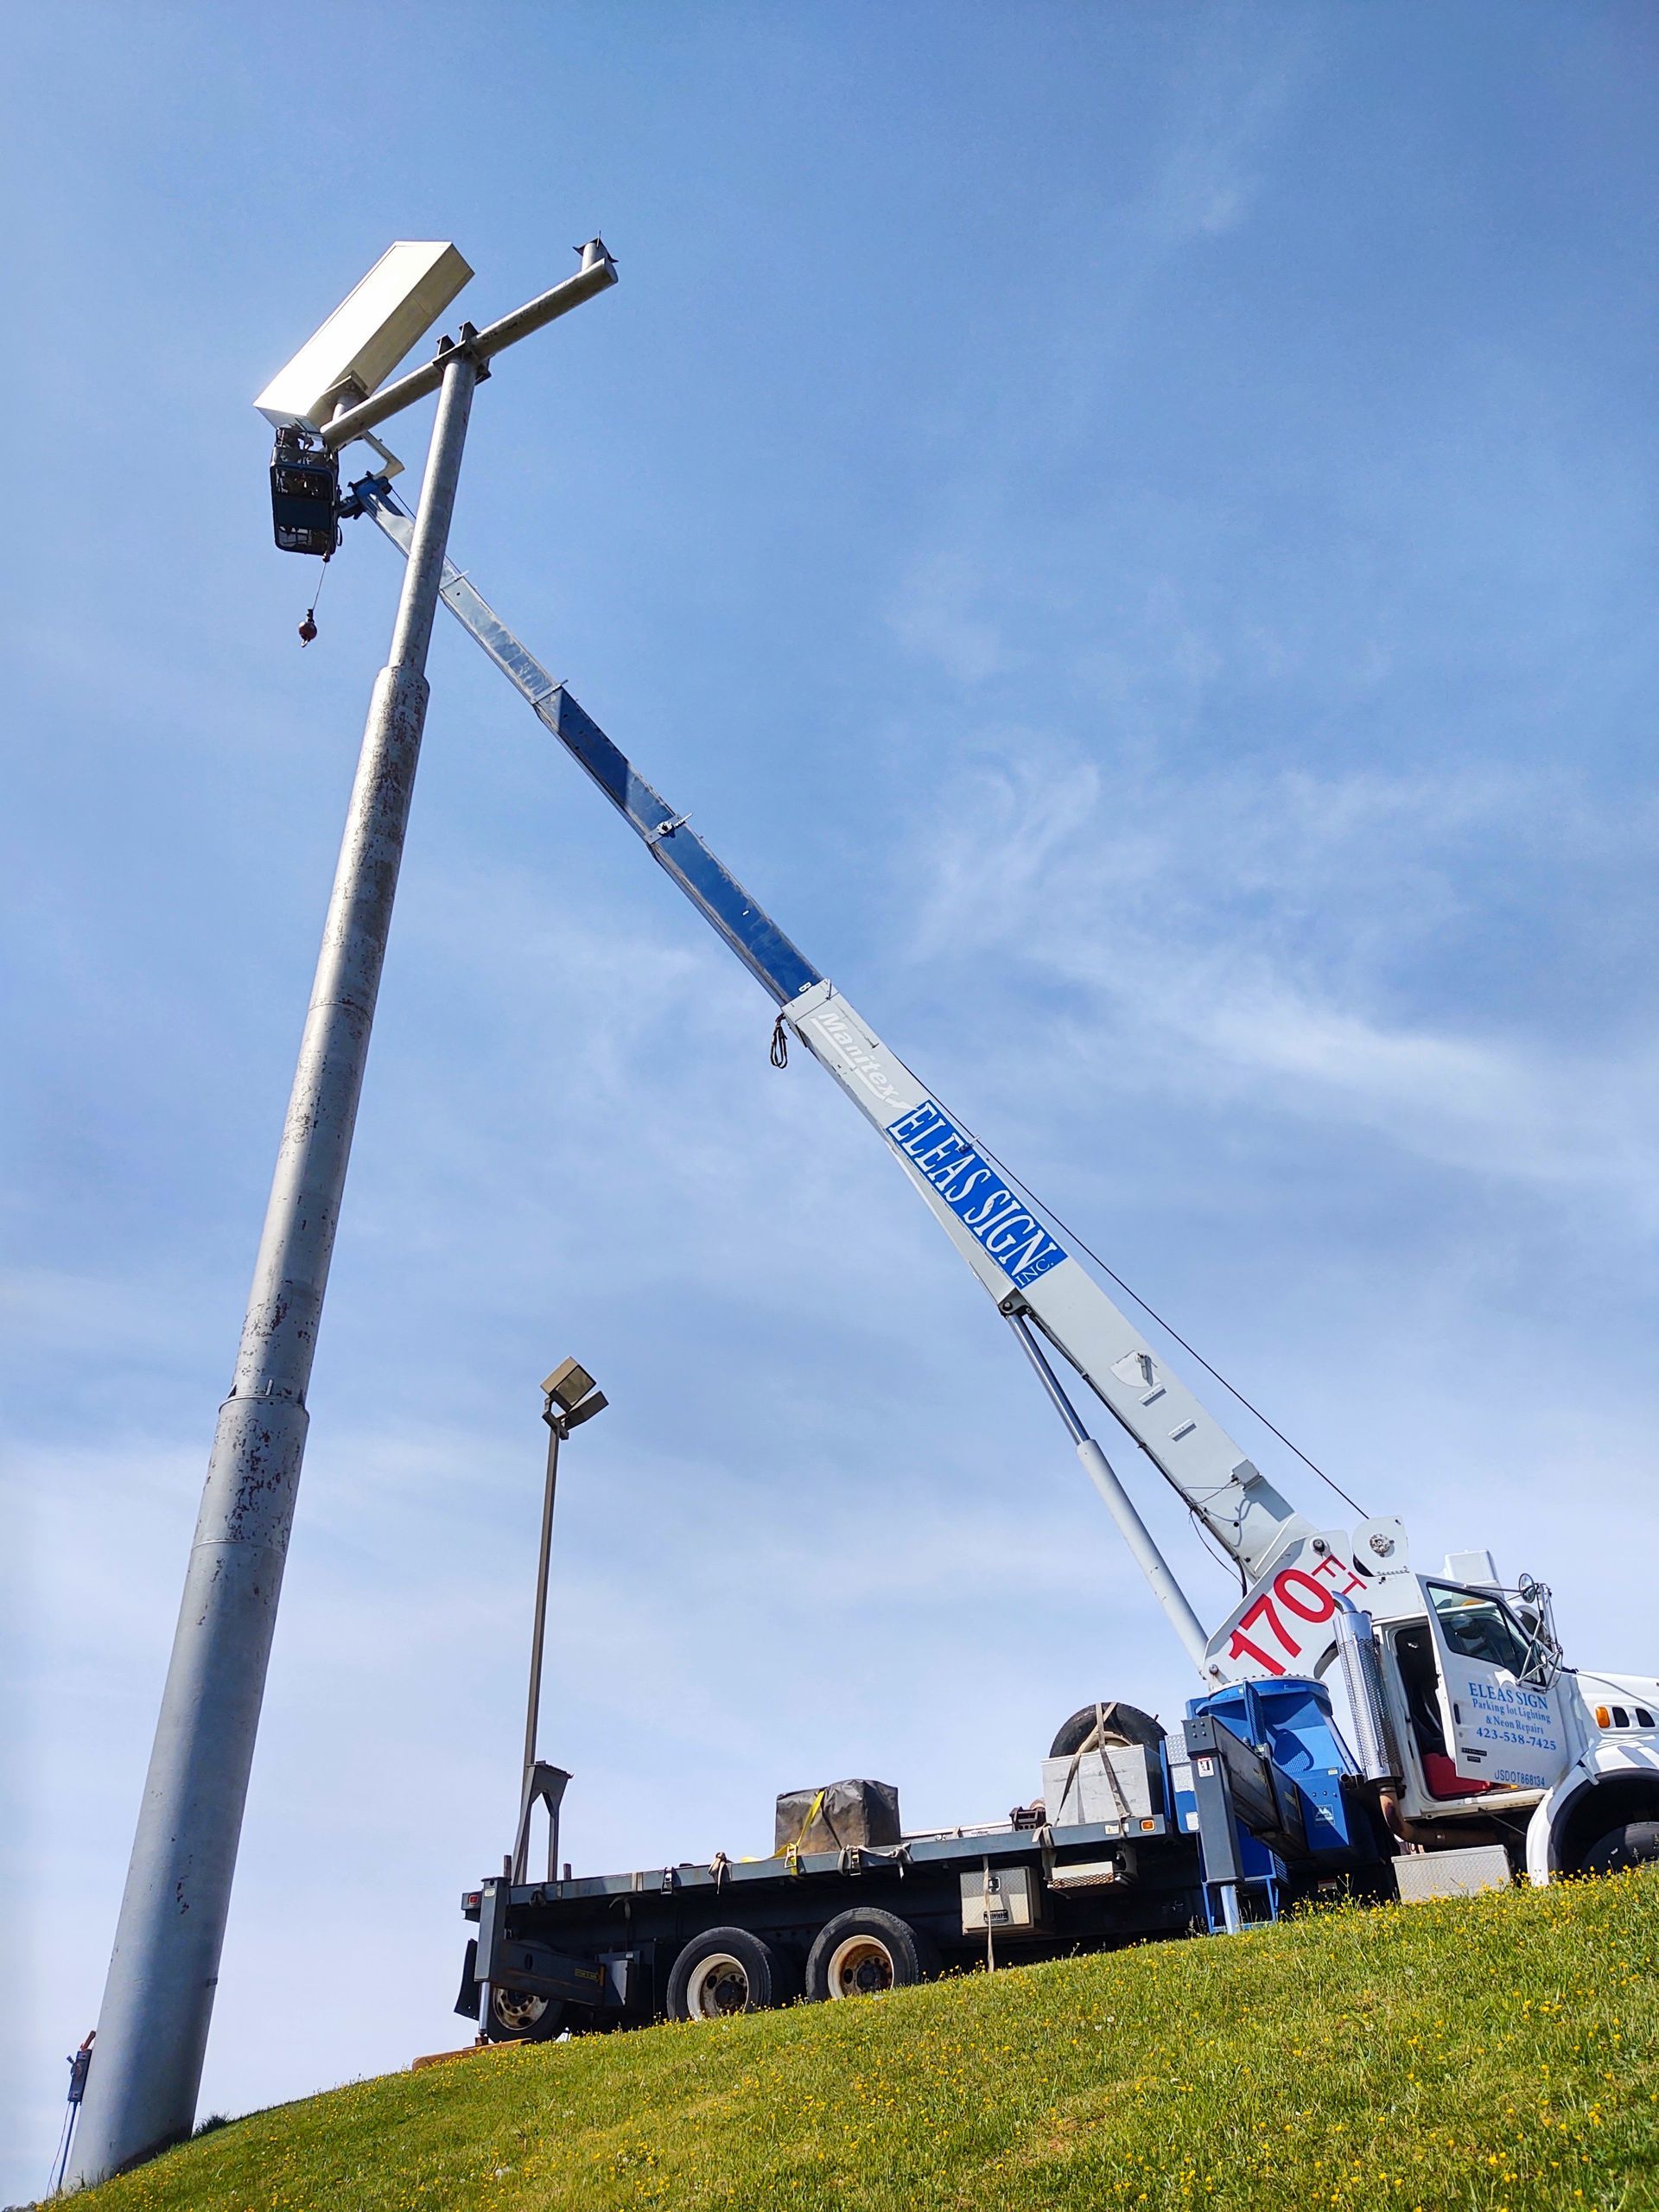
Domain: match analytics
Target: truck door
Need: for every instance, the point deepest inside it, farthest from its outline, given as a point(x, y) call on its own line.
point(1501, 1710)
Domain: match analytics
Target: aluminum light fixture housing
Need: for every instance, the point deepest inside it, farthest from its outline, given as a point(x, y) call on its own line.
point(367, 334)
point(568, 1385)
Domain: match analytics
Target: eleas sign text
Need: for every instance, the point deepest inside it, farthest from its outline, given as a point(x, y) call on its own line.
point(976, 1193)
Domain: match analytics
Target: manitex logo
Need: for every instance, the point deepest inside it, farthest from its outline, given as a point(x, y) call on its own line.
point(976, 1194)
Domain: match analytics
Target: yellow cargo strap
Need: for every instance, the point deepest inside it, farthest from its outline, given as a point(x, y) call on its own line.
point(792, 1853)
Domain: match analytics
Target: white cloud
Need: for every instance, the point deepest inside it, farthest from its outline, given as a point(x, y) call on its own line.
point(1233, 87)
point(1252, 937)
point(943, 610)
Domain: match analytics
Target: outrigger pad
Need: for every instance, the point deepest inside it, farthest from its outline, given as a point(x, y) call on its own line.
point(843, 1816)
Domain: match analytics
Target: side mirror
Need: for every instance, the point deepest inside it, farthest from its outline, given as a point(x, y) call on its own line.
point(1534, 1613)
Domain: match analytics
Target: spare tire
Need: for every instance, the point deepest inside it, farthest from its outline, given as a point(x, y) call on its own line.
point(1111, 1721)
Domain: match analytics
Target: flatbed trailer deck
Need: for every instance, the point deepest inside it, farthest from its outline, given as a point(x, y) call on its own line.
point(1229, 1836)
point(1093, 1886)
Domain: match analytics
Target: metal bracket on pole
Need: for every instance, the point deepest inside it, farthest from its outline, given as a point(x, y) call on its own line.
point(543, 1785)
point(597, 274)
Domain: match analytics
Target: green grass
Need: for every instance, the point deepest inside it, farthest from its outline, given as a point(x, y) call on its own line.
point(1495, 2052)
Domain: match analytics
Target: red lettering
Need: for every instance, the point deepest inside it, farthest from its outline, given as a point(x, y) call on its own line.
point(1242, 1648)
point(1331, 1566)
point(1292, 1579)
point(1262, 1609)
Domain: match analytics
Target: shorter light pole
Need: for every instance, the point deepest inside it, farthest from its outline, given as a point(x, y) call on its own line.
point(569, 1398)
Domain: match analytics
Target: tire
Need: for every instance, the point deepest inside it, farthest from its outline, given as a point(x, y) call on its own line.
point(1124, 1724)
point(514, 2016)
point(865, 1953)
point(1633, 1843)
point(725, 1972)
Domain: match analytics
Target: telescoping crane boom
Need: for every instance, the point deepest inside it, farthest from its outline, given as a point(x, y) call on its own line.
point(1472, 1735)
point(1052, 1302)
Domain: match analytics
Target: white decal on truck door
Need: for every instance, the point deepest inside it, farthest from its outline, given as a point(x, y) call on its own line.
point(1501, 1728)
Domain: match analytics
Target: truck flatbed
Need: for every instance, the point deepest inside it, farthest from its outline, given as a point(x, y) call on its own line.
point(601, 1951)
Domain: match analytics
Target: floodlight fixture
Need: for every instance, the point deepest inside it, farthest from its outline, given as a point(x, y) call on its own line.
point(586, 1410)
point(567, 1389)
point(568, 1385)
point(367, 334)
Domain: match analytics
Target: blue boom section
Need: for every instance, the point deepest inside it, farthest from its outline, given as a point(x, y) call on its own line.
point(717, 895)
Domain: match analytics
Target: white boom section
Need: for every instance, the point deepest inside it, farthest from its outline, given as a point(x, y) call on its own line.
point(1028, 1271)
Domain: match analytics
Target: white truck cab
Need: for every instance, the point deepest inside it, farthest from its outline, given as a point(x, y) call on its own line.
point(1488, 1735)
point(1492, 1724)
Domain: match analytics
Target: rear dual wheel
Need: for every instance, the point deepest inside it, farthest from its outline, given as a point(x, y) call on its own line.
point(726, 1971)
point(866, 1953)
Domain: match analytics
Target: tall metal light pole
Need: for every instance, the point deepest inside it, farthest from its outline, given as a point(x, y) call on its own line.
point(152, 2029)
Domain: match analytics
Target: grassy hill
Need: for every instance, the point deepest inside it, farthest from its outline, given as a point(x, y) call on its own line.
point(1496, 2052)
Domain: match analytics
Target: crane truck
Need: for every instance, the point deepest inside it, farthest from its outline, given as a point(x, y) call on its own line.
point(1478, 1752)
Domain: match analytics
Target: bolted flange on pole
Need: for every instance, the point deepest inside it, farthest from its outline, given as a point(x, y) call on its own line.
point(152, 2029)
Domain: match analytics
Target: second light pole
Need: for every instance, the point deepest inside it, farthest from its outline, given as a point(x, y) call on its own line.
point(569, 1398)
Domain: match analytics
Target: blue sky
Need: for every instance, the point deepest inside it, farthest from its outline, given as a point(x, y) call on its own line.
point(1130, 529)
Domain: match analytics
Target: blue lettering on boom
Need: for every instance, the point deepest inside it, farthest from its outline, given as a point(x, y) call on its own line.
point(996, 1217)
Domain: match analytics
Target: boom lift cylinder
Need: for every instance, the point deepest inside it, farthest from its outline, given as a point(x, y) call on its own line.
point(1134, 1530)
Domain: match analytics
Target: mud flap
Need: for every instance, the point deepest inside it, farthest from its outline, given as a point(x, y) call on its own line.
point(467, 2002)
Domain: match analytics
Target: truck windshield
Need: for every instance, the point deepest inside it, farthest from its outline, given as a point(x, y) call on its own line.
point(1484, 1628)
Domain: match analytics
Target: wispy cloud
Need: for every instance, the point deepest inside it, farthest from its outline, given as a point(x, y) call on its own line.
point(945, 609)
point(1232, 89)
point(1261, 938)
point(964, 599)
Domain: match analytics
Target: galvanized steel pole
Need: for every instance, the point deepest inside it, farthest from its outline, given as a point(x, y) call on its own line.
point(152, 2031)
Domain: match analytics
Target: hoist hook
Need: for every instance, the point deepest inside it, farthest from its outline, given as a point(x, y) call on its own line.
point(308, 627)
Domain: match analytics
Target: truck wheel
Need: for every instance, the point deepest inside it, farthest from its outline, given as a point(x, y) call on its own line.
point(1634, 1843)
point(1124, 1724)
point(865, 1953)
point(515, 2015)
point(724, 1972)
